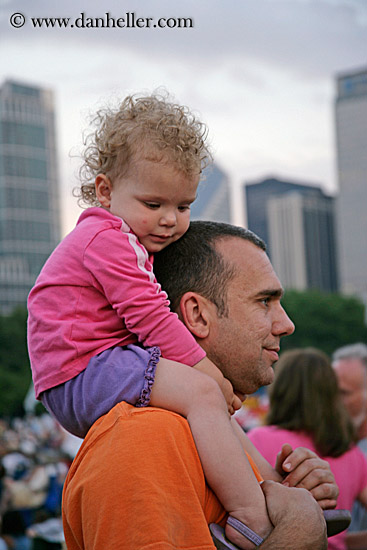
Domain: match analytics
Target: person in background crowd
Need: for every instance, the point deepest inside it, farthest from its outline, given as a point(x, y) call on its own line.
point(13, 531)
point(350, 365)
point(306, 410)
point(33, 465)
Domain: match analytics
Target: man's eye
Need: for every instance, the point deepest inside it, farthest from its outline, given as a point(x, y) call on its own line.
point(265, 301)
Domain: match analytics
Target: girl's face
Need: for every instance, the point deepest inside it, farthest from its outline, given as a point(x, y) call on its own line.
point(153, 198)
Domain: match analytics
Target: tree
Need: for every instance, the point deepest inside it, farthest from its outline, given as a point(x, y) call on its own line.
point(15, 373)
point(325, 321)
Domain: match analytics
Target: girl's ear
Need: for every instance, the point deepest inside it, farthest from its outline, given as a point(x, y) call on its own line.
point(103, 190)
point(195, 312)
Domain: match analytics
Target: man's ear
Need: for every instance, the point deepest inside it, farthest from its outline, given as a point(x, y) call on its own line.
point(103, 190)
point(195, 312)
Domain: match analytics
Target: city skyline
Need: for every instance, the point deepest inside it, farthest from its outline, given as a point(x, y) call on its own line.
point(295, 220)
point(260, 73)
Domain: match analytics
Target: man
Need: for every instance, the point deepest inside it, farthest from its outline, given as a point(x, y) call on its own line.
point(350, 364)
point(137, 482)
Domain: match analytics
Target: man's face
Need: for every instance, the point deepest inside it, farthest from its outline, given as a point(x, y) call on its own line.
point(352, 378)
point(245, 343)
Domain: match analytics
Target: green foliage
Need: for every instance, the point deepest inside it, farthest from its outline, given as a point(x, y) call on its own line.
point(15, 373)
point(325, 321)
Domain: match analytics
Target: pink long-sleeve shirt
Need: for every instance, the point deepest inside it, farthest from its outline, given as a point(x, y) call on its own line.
point(97, 290)
point(349, 469)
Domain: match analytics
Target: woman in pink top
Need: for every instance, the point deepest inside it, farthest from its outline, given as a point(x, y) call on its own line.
point(306, 410)
point(100, 330)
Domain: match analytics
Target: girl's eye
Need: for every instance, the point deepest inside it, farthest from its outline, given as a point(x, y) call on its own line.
point(152, 205)
point(184, 207)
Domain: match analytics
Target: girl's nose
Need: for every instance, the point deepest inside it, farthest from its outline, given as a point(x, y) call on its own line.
point(168, 218)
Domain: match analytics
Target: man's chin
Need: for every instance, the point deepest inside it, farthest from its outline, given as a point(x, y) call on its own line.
point(270, 376)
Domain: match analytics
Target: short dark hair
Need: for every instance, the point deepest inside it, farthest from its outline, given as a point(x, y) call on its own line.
point(193, 264)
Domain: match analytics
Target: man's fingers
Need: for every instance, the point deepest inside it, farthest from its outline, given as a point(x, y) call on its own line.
point(309, 474)
point(308, 471)
point(327, 504)
point(295, 458)
point(285, 451)
point(325, 495)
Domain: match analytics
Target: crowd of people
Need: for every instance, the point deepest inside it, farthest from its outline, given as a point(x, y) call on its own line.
point(36, 452)
point(35, 456)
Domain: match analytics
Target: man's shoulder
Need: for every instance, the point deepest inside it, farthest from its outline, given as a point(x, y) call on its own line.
point(124, 412)
point(125, 424)
point(128, 442)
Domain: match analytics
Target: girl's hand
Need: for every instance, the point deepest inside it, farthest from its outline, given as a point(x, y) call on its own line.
point(207, 367)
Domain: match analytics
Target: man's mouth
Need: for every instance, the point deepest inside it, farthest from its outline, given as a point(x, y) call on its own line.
point(273, 352)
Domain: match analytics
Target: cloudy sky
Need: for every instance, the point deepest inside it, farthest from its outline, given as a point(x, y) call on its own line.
point(260, 73)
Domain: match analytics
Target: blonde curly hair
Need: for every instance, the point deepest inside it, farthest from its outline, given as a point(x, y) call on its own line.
point(141, 126)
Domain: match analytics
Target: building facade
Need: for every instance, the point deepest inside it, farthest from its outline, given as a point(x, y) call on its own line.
point(351, 148)
point(213, 200)
point(297, 223)
point(29, 201)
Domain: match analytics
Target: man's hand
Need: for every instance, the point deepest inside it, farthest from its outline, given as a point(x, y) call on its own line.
point(207, 367)
point(304, 469)
point(298, 521)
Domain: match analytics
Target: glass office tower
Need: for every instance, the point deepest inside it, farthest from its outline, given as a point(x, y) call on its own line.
point(297, 223)
point(351, 145)
point(213, 197)
point(29, 201)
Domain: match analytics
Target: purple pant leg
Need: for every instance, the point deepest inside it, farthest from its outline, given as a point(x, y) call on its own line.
point(115, 375)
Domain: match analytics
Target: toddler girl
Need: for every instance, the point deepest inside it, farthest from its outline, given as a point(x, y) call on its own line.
point(100, 330)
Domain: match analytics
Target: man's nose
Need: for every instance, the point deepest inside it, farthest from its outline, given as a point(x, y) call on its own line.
point(283, 325)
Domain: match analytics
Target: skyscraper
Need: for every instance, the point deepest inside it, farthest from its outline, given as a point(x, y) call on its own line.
point(301, 241)
point(297, 223)
point(351, 145)
point(213, 198)
point(29, 202)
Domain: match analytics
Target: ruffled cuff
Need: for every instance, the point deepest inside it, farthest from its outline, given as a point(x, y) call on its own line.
point(149, 376)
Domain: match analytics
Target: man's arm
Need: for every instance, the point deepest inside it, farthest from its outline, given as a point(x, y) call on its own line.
point(298, 520)
point(137, 482)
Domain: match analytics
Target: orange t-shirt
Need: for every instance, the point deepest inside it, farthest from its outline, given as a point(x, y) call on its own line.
point(137, 484)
